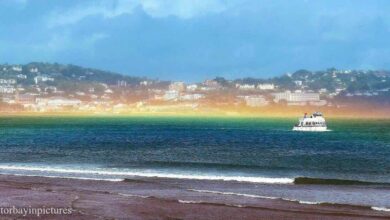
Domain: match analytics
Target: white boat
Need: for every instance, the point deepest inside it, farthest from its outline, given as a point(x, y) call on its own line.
point(314, 122)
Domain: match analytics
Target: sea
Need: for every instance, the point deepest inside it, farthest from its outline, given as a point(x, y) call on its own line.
point(243, 157)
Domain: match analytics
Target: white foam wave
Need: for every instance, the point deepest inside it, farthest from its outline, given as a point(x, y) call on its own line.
point(251, 179)
point(234, 194)
point(383, 209)
point(132, 195)
point(255, 196)
point(189, 202)
point(200, 202)
point(309, 203)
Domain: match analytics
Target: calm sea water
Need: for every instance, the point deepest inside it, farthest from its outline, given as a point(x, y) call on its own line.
point(251, 150)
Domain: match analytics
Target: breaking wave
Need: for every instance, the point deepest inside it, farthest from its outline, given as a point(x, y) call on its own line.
point(128, 173)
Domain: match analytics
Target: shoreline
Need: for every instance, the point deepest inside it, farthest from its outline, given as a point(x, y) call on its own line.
point(178, 115)
point(153, 198)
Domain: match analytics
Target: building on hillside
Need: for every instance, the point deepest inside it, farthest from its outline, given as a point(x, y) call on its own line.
point(177, 86)
point(8, 98)
point(296, 98)
point(145, 83)
point(245, 86)
point(21, 76)
point(171, 95)
point(255, 100)
point(27, 99)
point(121, 83)
point(34, 70)
point(192, 87)
point(8, 81)
point(7, 89)
point(51, 89)
point(266, 86)
point(210, 85)
point(191, 97)
point(56, 102)
point(42, 78)
point(298, 83)
point(17, 68)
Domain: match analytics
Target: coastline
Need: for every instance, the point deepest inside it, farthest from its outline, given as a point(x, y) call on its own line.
point(222, 115)
point(154, 198)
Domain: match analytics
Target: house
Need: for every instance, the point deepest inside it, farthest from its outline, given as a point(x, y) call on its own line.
point(33, 70)
point(42, 78)
point(27, 99)
point(296, 98)
point(121, 83)
point(266, 86)
point(7, 81)
point(177, 86)
point(21, 76)
point(16, 68)
point(192, 87)
point(255, 100)
point(245, 87)
point(7, 89)
point(191, 97)
point(171, 95)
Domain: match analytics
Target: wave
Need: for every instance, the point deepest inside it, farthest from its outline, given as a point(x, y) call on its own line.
point(232, 193)
point(210, 203)
point(320, 181)
point(251, 179)
point(382, 209)
point(117, 175)
point(133, 195)
point(189, 201)
point(254, 196)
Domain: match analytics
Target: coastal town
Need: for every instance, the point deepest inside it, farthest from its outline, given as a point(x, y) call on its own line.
point(42, 87)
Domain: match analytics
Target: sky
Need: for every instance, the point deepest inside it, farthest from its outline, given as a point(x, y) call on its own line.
point(199, 39)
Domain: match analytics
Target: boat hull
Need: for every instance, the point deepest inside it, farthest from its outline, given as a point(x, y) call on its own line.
point(295, 128)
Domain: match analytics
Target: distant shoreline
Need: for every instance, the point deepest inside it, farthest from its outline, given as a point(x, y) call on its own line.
point(194, 115)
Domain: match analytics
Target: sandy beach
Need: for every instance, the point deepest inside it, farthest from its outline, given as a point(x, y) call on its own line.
point(151, 198)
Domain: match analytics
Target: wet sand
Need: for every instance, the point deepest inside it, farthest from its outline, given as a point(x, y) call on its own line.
point(154, 199)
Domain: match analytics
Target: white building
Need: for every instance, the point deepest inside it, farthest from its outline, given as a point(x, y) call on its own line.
point(62, 102)
point(17, 68)
point(245, 87)
point(298, 82)
point(42, 78)
point(296, 97)
point(211, 84)
point(7, 89)
point(79, 93)
point(171, 95)
point(7, 81)
point(122, 83)
point(51, 89)
point(255, 101)
point(322, 90)
point(8, 98)
point(192, 87)
point(33, 70)
point(27, 100)
point(108, 91)
point(177, 86)
point(266, 86)
point(145, 83)
point(191, 97)
point(21, 76)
